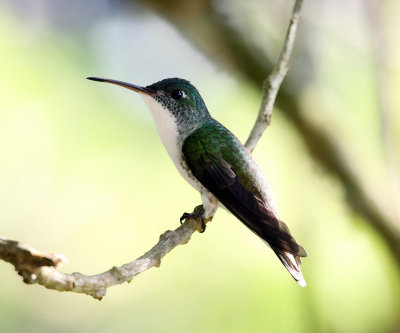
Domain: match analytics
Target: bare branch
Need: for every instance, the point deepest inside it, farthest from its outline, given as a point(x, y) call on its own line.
point(41, 268)
point(26, 258)
point(274, 80)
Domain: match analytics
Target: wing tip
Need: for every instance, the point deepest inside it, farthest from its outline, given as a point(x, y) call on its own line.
point(302, 252)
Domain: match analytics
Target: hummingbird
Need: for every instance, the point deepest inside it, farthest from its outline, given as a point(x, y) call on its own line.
point(215, 162)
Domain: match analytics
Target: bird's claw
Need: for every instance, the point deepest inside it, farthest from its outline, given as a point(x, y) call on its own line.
point(203, 225)
point(186, 216)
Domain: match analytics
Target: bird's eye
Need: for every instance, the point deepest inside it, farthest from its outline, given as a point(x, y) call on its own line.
point(177, 94)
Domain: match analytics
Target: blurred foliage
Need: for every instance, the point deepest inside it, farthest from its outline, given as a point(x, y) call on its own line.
point(83, 173)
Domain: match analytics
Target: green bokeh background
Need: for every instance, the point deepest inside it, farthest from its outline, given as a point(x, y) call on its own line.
point(83, 173)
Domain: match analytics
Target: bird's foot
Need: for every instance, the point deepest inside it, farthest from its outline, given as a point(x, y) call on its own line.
point(197, 215)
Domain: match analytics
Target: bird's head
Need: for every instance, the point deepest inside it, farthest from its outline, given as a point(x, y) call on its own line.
point(176, 97)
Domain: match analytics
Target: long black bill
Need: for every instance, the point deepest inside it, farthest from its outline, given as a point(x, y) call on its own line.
point(126, 85)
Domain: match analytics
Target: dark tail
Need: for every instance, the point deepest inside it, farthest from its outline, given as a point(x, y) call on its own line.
point(276, 234)
point(256, 214)
point(263, 222)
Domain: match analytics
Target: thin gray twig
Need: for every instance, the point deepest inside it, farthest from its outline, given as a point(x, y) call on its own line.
point(273, 82)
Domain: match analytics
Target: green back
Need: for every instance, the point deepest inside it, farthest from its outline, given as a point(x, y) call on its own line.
point(212, 142)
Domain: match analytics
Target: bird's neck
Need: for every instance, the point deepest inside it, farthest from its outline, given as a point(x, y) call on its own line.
point(188, 126)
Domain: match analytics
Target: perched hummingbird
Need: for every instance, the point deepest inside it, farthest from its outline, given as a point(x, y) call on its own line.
point(215, 163)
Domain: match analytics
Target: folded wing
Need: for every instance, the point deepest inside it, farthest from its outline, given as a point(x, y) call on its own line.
point(205, 158)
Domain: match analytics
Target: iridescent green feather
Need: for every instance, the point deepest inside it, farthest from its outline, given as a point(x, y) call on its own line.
point(210, 143)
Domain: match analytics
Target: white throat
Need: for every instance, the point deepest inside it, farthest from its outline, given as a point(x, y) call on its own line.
point(166, 127)
point(168, 132)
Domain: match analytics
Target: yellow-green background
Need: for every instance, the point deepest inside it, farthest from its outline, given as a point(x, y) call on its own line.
point(83, 173)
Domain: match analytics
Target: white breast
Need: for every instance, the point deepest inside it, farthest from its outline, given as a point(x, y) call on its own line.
point(168, 132)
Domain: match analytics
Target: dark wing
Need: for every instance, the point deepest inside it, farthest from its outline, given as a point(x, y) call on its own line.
point(203, 155)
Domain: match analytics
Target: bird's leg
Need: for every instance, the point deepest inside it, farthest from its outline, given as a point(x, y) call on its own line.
point(198, 215)
point(204, 212)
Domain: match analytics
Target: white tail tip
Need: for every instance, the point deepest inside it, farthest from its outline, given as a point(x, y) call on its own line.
point(302, 283)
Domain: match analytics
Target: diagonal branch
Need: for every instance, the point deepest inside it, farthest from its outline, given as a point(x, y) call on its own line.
point(273, 82)
point(41, 268)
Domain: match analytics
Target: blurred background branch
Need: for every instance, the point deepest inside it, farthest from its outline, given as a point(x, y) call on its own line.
point(374, 12)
